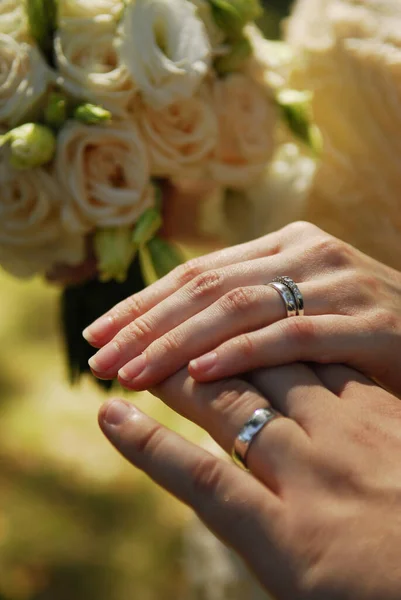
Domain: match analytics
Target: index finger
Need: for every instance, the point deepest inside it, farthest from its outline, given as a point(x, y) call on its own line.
point(233, 504)
point(104, 329)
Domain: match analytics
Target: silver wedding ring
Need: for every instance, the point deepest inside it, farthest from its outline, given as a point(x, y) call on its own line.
point(287, 297)
point(260, 418)
point(290, 294)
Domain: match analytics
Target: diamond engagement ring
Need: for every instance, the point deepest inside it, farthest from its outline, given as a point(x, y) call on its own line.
point(294, 289)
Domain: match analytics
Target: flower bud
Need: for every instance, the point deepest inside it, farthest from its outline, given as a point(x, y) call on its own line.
point(30, 145)
point(232, 15)
point(235, 58)
point(115, 252)
point(55, 112)
point(147, 226)
point(296, 108)
point(91, 114)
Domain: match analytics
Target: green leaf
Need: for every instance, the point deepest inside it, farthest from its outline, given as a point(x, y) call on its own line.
point(56, 109)
point(42, 20)
point(147, 226)
point(296, 109)
point(234, 60)
point(164, 256)
point(232, 15)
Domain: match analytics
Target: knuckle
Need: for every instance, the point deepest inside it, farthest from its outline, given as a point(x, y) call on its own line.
point(301, 228)
point(207, 475)
point(298, 331)
point(205, 283)
point(133, 306)
point(245, 346)
point(148, 441)
point(334, 252)
point(140, 330)
point(228, 398)
point(185, 273)
point(170, 342)
point(384, 320)
point(238, 299)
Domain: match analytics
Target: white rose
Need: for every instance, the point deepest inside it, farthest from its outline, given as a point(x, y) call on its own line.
point(165, 48)
point(106, 172)
point(32, 238)
point(13, 19)
point(180, 137)
point(24, 78)
point(247, 120)
point(87, 9)
point(89, 64)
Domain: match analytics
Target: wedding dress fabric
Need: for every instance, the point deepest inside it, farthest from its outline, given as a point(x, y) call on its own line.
point(349, 54)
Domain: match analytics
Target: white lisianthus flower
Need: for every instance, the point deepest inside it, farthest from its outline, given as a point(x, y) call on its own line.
point(246, 123)
point(88, 9)
point(13, 20)
point(349, 56)
point(106, 173)
point(32, 237)
point(216, 35)
point(165, 47)
point(180, 137)
point(24, 78)
point(89, 65)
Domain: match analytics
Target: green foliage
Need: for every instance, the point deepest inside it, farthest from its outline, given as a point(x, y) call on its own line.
point(165, 257)
point(232, 15)
point(42, 19)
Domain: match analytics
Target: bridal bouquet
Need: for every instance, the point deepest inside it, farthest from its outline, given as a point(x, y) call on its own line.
point(104, 104)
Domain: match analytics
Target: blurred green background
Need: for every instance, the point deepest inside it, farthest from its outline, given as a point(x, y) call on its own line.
point(76, 522)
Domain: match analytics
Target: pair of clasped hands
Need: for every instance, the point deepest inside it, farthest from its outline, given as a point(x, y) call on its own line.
point(318, 514)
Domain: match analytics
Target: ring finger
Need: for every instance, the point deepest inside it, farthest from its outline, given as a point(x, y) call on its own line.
point(241, 310)
point(180, 306)
point(223, 408)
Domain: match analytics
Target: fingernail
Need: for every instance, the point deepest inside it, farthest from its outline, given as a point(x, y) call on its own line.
point(98, 329)
point(117, 412)
point(204, 363)
point(133, 369)
point(105, 359)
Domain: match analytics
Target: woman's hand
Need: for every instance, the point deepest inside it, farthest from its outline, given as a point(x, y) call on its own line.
point(320, 519)
point(219, 305)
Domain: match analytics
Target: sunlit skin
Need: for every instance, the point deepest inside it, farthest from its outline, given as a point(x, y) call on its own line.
point(219, 306)
point(320, 517)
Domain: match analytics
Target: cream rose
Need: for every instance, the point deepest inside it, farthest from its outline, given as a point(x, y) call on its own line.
point(32, 238)
point(245, 142)
point(165, 48)
point(13, 19)
point(180, 137)
point(87, 9)
point(89, 65)
point(24, 78)
point(106, 172)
